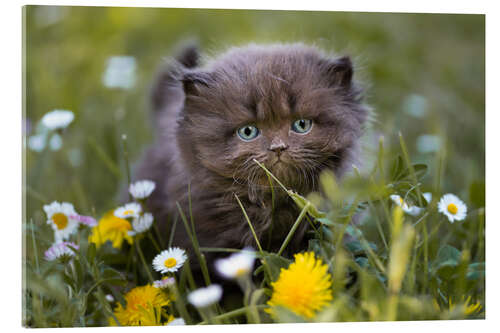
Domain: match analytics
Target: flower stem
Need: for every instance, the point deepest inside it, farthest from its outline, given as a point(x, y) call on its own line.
point(235, 313)
point(172, 231)
point(127, 166)
point(294, 227)
point(153, 240)
point(189, 274)
point(196, 247)
point(410, 167)
point(157, 231)
point(270, 174)
point(146, 267)
point(101, 154)
point(249, 223)
point(180, 305)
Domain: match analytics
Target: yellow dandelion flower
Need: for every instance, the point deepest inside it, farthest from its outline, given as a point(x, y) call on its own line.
point(144, 307)
point(304, 287)
point(468, 309)
point(113, 229)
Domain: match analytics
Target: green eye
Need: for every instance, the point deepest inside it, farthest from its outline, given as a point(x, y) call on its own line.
point(302, 126)
point(248, 133)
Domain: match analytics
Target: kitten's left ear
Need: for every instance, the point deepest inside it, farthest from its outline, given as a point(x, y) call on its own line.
point(339, 71)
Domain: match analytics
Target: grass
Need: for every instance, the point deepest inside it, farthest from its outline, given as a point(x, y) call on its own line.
point(389, 265)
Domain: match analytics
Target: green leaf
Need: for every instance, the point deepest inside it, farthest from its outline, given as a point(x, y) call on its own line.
point(301, 202)
point(109, 273)
point(321, 248)
point(380, 277)
point(325, 221)
point(397, 167)
point(116, 282)
point(448, 253)
point(314, 246)
point(362, 262)
point(79, 273)
point(476, 271)
point(446, 270)
point(69, 281)
point(446, 262)
point(114, 258)
point(354, 247)
point(284, 315)
point(91, 252)
point(419, 169)
point(275, 264)
point(258, 270)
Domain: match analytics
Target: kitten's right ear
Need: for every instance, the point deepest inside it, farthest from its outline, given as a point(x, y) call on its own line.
point(189, 56)
point(165, 87)
point(192, 80)
point(339, 71)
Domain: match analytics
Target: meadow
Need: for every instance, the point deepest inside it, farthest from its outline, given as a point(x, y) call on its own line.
point(411, 256)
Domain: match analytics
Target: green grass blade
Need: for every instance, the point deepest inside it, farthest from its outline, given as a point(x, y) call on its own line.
point(249, 223)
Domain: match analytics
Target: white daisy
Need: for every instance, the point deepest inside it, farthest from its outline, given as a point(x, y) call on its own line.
point(57, 119)
point(130, 210)
point(120, 72)
point(58, 250)
point(110, 298)
point(55, 142)
point(236, 265)
point(86, 220)
point(141, 189)
point(177, 322)
point(451, 206)
point(169, 260)
point(61, 216)
point(37, 142)
point(164, 283)
point(141, 223)
point(408, 208)
point(204, 297)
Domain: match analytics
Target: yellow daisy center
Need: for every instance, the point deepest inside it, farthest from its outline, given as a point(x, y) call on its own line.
point(60, 220)
point(170, 262)
point(452, 208)
point(401, 201)
point(241, 272)
point(128, 212)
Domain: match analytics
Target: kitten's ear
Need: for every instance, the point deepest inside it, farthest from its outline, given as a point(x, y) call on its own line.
point(192, 80)
point(189, 56)
point(339, 71)
point(166, 85)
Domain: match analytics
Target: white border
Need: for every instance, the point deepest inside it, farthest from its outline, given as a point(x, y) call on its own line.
point(10, 311)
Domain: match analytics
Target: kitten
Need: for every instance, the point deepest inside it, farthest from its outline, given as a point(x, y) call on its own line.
point(288, 106)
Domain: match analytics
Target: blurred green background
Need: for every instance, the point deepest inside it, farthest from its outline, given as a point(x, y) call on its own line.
point(424, 74)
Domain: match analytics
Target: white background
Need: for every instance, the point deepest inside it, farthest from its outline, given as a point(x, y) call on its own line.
point(11, 158)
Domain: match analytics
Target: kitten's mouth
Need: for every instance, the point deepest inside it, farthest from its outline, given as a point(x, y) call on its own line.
point(278, 166)
point(278, 160)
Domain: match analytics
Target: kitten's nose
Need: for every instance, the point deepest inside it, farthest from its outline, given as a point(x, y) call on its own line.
point(278, 146)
